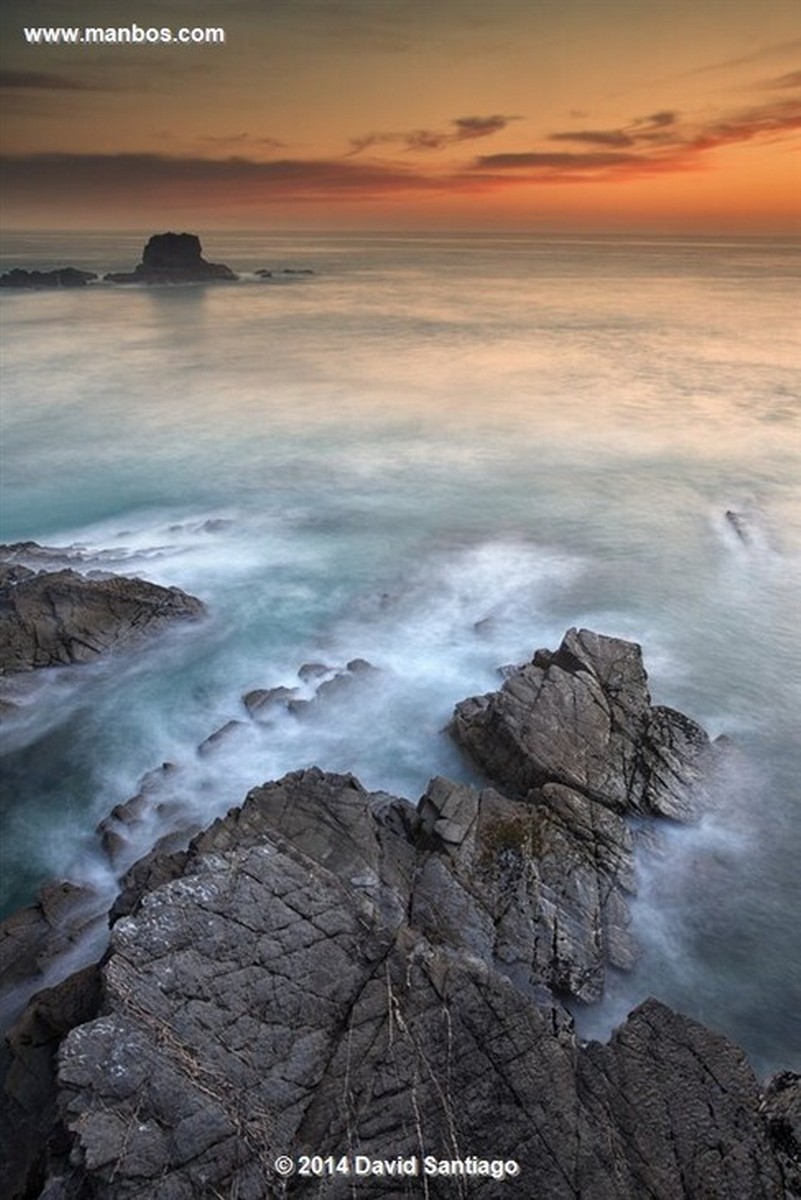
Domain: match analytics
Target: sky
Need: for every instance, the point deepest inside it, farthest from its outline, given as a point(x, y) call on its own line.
point(572, 115)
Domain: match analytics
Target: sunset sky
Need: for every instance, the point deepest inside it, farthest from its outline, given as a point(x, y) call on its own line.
point(613, 115)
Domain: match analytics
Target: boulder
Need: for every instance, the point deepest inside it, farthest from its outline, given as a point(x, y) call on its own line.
point(173, 258)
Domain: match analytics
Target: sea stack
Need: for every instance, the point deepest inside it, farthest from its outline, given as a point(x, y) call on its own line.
point(173, 258)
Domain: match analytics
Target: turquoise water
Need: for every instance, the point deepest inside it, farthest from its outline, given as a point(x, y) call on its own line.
point(436, 454)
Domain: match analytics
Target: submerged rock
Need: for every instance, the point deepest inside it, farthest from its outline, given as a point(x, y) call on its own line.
point(173, 258)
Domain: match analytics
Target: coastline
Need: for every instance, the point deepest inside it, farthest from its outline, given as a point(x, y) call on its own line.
point(516, 894)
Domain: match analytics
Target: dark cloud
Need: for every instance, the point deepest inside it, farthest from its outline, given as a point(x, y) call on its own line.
point(655, 144)
point(661, 120)
point(42, 81)
point(540, 159)
point(242, 139)
point(471, 127)
point(141, 177)
point(595, 137)
point(653, 128)
point(464, 129)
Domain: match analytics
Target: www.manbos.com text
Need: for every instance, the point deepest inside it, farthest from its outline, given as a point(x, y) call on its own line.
point(122, 35)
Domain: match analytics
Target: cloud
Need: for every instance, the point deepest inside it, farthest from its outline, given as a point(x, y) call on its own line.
point(243, 139)
point(594, 137)
point(472, 127)
point(781, 82)
point(242, 182)
point(762, 121)
point(661, 120)
point(655, 144)
point(42, 81)
point(464, 129)
point(246, 181)
point(553, 161)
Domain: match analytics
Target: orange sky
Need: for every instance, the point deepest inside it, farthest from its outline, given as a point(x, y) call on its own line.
point(527, 114)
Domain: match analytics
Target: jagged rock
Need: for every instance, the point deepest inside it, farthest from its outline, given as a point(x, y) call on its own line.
point(539, 892)
point(173, 258)
point(52, 618)
point(27, 1065)
point(32, 937)
point(581, 716)
point(269, 996)
point(61, 277)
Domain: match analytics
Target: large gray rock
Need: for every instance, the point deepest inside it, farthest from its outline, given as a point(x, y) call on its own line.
point(52, 618)
point(271, 998)
point(581, 716)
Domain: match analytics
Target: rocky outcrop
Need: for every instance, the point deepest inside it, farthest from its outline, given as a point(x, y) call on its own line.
point(335, 972)
point(52, 618)
point(288, 986)
point(582, 717)
point(61, 277)
point(173, 258)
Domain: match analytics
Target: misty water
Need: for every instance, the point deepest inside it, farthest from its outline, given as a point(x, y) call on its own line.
point(436, 454)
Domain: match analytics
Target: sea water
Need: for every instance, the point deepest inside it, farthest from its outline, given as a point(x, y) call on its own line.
point(436, 454)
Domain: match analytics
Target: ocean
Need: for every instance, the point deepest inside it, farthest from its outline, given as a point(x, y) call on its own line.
point(435, 453)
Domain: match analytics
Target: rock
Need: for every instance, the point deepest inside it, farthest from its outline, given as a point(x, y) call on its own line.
point(331, 971)
point(344, 683)
point(53, 618)
point(261, 703)
point(782, 1108)
point(739, 523)
point(28, 1117)
point(129, 818)
point(173, 258)
point(581, 717)
point(33, 937)
point(548, 886)
point(61, 277)
point(313, 670)
point(220, 736)
point(274, 993)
